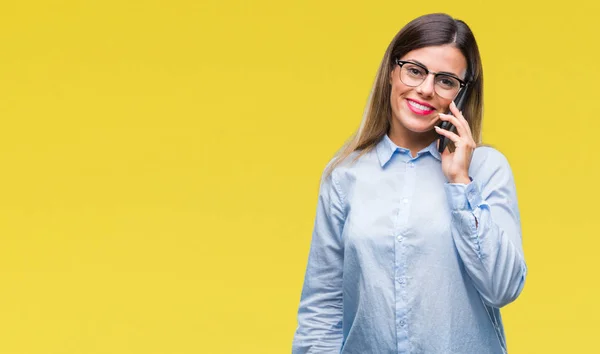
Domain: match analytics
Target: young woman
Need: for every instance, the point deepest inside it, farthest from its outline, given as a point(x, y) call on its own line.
point(414, 251)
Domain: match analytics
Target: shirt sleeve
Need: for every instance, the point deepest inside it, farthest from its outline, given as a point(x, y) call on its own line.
point(486, 229)
point(320, 312)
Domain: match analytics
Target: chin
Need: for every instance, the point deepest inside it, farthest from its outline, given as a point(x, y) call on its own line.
point(420, 129)
point(416, 124)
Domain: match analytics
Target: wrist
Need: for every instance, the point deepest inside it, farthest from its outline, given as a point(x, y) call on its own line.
point(461, 179)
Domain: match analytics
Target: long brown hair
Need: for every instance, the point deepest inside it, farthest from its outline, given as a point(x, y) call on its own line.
point(428, 30)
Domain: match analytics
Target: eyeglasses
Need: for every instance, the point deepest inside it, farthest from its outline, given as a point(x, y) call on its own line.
point(445, 85)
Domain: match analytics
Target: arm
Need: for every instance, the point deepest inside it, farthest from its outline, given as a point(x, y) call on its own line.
point(320, 311)
point(487, 232)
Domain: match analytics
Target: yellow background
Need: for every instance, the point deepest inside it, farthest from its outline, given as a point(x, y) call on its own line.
point(160, 163)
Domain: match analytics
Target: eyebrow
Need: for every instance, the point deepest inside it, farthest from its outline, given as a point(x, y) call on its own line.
point(440, 72)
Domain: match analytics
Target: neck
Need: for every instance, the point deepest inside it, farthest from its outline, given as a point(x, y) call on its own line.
point(407, 139)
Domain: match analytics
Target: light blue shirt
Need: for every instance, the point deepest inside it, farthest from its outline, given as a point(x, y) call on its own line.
point(401, 261)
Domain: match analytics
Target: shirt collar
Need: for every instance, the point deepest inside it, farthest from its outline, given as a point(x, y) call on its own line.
point(386, 148)
point(433, 150)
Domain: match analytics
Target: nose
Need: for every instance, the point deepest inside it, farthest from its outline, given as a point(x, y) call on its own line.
point(427, 88)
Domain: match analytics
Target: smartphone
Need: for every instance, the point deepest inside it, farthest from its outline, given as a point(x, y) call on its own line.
point(460, 102)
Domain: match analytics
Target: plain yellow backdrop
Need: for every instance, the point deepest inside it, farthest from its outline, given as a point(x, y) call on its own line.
point(160, 162)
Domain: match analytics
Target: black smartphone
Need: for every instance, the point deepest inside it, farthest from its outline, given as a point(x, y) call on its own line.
point(460, 102)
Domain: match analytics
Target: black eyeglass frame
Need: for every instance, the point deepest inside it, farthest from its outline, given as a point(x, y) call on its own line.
point(427, 71)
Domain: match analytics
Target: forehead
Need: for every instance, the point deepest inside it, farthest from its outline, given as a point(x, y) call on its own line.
point(440, 58)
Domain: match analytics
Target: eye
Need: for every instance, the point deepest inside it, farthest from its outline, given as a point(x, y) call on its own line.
point(415, 71)
point(447, 82)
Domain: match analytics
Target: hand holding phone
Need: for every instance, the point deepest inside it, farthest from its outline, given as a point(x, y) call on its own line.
point(459, 101)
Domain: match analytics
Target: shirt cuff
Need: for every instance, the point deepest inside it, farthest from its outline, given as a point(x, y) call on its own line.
point(463, 196)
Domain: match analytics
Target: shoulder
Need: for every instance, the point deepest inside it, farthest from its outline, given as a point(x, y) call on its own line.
point(488, 157)
point(342, 174)
point(357, 162)
point(489, 163)
point(336, 169)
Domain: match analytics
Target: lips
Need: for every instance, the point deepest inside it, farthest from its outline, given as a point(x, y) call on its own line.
point(419, 108)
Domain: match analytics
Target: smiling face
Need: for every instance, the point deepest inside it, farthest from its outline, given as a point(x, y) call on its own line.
point(415, 109)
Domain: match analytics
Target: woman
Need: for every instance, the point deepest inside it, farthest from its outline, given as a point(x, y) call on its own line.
point(414, 251)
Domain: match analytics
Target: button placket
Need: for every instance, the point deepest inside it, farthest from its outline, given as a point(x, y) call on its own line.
point(402, 233)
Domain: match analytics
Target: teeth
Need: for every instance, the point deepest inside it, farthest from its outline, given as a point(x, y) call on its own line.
point(419, 106)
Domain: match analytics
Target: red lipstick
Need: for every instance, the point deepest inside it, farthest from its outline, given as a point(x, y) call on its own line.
point(420, 108)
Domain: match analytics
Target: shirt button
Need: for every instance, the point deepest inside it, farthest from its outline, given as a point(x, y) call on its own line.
point(402, 323)
point(411, 164)
point(399, 238)
point(405, 200)
point(401, 281)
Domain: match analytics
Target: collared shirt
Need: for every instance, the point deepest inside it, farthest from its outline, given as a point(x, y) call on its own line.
point(402, 261)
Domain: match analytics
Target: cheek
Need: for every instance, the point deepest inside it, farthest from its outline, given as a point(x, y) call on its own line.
point(395, 94)
point(445, 104)
point(399, 90)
